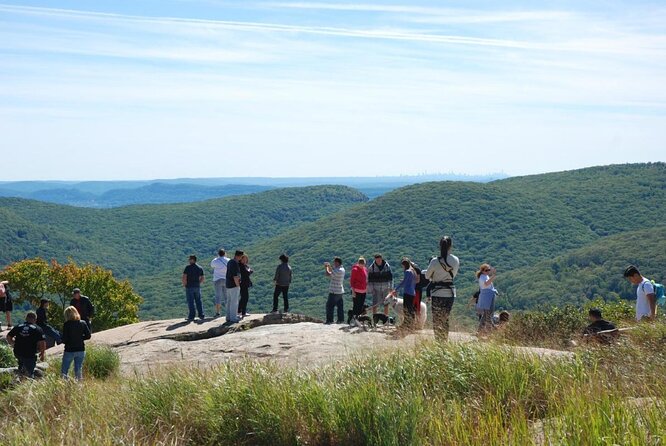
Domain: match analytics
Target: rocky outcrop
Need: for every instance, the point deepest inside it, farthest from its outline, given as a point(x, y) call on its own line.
point(287, 339)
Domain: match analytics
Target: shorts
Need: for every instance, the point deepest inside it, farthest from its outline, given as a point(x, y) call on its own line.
point(379, 291)
point(220, 291)
point(6, 305)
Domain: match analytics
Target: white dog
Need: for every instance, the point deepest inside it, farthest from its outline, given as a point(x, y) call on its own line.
point(397, 304)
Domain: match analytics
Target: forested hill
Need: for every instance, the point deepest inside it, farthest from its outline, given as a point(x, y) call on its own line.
point(148, 239)
point(511, 223)
point(592, 272)
point(514, 224)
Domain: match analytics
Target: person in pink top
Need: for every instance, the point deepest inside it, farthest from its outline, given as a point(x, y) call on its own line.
point(359, 286)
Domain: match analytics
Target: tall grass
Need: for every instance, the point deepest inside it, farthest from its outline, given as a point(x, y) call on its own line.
point(432, 394)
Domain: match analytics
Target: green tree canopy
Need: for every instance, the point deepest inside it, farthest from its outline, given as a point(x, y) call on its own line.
point(115, 301)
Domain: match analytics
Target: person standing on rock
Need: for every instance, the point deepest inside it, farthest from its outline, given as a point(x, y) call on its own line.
point(245, 285)
point(6, 303)
point(441, 273)
point(380, 282)
point(28, 340)
point(336, 290)
point(282, 280)
point(359, 286)
point(233, 287)
point(193, 277)
point(219, 265)
point(485, 306)
point(84, 306)
point(408, 284)
point(74, 333)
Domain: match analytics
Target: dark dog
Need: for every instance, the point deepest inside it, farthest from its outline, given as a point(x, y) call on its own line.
point(363, 318)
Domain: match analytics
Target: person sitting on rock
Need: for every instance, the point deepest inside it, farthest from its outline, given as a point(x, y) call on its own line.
point(28, 339)
point(43, 322)
point(600, 328)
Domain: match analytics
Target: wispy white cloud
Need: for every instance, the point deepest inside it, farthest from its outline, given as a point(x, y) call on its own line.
point(571, 44)
point(394, 76)
point(432, 14)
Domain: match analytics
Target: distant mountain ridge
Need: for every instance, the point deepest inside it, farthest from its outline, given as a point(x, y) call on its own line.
point(519, 224)
point(105, 194)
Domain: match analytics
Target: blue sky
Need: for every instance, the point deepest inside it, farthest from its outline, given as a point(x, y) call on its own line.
point(137, 89)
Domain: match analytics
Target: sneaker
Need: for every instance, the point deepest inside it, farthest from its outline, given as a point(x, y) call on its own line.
point(201, 318)
point(274, 312)
point(217, 314)
point(246, 314)
point(189, 320)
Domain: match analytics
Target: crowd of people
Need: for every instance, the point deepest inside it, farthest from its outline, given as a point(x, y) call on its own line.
point(232, 279)
point(232, 282)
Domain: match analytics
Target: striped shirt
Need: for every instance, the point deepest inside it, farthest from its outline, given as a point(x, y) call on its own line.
point(337, 279)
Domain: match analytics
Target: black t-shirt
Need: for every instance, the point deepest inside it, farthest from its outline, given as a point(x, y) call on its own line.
point(193, 272)
point(233, 270)
point(600, 325)
point(73, 335)
point(26, 340)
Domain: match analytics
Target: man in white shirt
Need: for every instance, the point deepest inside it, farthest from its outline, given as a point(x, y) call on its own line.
point(646, 300)
point(219, 265)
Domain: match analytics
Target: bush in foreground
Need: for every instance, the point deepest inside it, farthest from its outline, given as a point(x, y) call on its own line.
point(101, 362)
point(444, 395)
point(7, 358)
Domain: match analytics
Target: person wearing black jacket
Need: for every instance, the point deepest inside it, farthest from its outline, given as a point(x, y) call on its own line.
point(84, 307)
point(245, 284)
point(380, 282)
point(74, 333)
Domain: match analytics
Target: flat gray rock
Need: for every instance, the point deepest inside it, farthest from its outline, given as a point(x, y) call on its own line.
point(289, 339)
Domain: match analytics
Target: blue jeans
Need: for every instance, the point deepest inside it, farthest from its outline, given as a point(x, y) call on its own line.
point(52, 333)
point(193, 295)
point(67, 359)
point(233, 295)
point(26, 365)
point(335, 300)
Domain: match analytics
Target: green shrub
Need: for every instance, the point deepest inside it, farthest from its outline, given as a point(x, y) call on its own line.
point(554, 328)
point(7, 358)
point(101, 362)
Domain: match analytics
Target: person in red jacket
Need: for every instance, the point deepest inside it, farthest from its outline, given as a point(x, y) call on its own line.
point(359, 286)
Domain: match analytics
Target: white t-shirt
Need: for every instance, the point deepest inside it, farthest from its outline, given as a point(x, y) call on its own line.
point(482, 281)
point(642, 303)
point(219, 265)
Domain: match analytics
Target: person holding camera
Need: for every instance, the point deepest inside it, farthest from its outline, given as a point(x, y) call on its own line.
point(485, 306)
point(336, 273)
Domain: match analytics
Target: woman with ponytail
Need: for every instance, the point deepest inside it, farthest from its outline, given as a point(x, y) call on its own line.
point(441, 273)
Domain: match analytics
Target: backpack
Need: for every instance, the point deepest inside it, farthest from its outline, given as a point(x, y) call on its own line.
point(659, 292)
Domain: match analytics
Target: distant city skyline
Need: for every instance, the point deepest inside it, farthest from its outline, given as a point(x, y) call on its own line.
point(147, 89)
